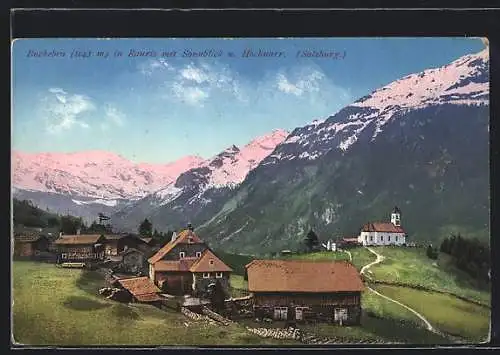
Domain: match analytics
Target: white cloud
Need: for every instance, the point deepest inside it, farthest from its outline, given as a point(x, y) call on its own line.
point(152, 66)
point(189, 94)
point(191, 73)
point(191, 83)
point(62, 111)
point(306, 83)
point(112, 117)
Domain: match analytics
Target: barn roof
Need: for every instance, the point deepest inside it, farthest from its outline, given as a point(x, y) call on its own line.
point(114, 236)
point(28, 238)
point(385, 227)
point(209, 262)
point(79, 239)
point(142, 288)
point(302, 276)
point(130, 250)
point(182, 237)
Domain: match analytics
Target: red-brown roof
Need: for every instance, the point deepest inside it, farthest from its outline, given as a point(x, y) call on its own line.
point(80, 239)
point(186, 236)
point(174, 265)
point(140, 287)
point(209, 262)
point(302, 276)
point(27, 238)
point(385, 227)
point(350, 240)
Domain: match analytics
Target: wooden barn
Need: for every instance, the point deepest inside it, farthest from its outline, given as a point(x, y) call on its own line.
point(116, 243)
point(80, 248)
point(305, 290)
point(140, 289)
point(30, 245)
point(133, 261)
point(187, 266)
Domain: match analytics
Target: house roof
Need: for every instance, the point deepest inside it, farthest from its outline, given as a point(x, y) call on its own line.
point(385, 227)
point(175, 265)
point(139, 286)
point(396, 210)
point(114, 236)
point(302, 276)
point(182, 237)
point(209, 262)
point(80, 239)
point(130, 250)
point(350, 240)
point(146, 240)
point(28, 238)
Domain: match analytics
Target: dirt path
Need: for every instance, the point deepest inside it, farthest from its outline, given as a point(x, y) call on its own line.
point(348, 253)
point(379, 259)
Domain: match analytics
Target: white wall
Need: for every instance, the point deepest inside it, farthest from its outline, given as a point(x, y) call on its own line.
point(381, 238)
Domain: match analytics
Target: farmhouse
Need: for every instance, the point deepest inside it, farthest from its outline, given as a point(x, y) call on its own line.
point(116, 243)
point(329, 291)
point(30, 245)
point(186, 265)
point(384, 233)
point(80, 247)
point(140, 289)
point(132, 260)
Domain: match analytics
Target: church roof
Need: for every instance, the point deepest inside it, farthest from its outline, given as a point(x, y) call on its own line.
point(385, 227)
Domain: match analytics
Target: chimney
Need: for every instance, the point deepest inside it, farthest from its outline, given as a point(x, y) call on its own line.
point(174, 236)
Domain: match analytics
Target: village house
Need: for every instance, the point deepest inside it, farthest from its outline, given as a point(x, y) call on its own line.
point(117, 243)
point(384, 233)
point(30, 245)
point(329, 291)
point(187, 266)
point(140, 289)
point(133, 261)
point(80, 248)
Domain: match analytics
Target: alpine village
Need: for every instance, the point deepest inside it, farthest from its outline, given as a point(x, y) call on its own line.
point(368, 227)
point(287, 295)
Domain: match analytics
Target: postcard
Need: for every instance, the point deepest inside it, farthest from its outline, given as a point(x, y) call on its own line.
point(250, 192)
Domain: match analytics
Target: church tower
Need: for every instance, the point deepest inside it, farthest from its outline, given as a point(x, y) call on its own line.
point(396, 216)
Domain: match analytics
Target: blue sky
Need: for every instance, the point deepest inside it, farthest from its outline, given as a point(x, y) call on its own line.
point(158, 109)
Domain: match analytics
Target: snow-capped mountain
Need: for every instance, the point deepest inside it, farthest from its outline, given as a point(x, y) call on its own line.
point(100, 175)
point(420, 142)
point(462, 82)
point(201, 188)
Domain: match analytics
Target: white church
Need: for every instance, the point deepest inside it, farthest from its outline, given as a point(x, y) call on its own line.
point(384, 233)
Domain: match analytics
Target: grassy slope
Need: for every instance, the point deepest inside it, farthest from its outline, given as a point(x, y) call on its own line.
point(412, 266)
point(54, 306)
point(445, 312)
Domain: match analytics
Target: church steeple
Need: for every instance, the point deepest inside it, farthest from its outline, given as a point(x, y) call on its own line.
point(396, 216)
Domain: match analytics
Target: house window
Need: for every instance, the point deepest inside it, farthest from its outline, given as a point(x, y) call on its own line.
point(190, 239)
point(389, 238)
point(381, 238)
point(206, 275)
point(211, 262)
point(396, 238)
point(198, 254)
point(63, 255)
point(371, 238)
point(182, 254)
point(218, 275)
